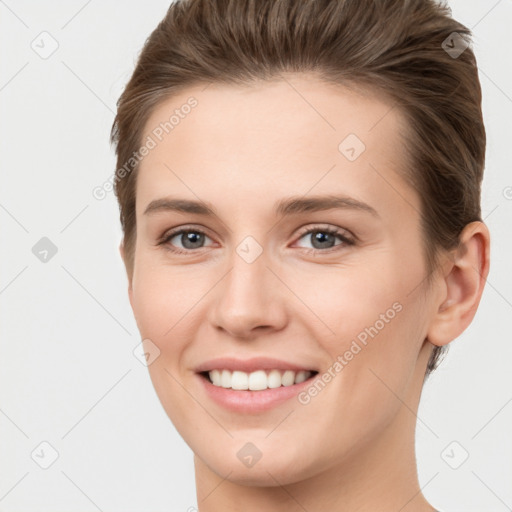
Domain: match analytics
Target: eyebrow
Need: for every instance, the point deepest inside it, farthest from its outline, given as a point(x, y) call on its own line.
point(285, 207)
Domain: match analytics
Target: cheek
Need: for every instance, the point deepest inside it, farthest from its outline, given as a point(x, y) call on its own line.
point(377, 326)
point(371, 320)
point(159, 300)
point(163, 304)
point(354, 301)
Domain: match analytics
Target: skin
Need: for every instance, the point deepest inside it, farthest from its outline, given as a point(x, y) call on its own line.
point(242, 149)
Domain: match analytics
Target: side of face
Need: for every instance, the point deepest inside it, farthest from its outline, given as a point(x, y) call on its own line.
point(360, 301)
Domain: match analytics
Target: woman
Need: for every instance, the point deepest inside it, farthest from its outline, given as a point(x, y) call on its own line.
point(299, 187)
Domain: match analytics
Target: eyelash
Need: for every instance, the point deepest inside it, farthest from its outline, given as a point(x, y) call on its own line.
point(346, 241)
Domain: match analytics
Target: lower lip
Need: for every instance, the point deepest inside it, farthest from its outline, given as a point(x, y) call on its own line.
point(246, 401)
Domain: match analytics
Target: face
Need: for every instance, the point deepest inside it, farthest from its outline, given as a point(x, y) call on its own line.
point(272, 279)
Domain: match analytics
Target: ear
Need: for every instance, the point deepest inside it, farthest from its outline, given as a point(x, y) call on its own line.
point(464, 279)
point(123, 257)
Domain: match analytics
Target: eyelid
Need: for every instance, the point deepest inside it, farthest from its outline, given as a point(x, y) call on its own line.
point(342, 232)
point(184, 227)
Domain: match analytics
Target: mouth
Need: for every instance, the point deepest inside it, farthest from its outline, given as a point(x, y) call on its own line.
point(253, 386)
point(255, 392)
point(258, 380)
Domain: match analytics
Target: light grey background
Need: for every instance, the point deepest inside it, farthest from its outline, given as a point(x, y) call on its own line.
point(68, 375)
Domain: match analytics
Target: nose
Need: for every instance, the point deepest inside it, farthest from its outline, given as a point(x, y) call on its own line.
point(250, 299)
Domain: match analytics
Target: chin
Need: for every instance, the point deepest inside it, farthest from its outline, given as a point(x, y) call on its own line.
point(278, 465)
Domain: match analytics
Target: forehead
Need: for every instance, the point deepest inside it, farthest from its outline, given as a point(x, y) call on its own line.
point(295, 134)
point(303, 104)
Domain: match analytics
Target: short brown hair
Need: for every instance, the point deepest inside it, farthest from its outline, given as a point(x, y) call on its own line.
point(408, 50)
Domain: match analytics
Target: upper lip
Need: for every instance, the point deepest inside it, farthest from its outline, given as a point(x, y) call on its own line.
point(249, 365)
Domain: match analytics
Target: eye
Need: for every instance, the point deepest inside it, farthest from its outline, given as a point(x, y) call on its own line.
point(324, 238)
point(190, 239)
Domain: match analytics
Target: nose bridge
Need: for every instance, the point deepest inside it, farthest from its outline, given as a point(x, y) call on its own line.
point(247, 283)
point(248, 294)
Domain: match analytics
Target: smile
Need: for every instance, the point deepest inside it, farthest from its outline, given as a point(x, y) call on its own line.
point(257, 380)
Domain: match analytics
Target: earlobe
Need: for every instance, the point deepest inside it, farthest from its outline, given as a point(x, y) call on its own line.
point(464, 281)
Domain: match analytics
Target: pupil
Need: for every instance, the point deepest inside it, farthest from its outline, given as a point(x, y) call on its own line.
point(322, 238)
point(192, 238)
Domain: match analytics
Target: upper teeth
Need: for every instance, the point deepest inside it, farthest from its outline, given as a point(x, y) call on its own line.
point(257, 380)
